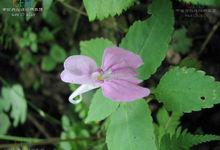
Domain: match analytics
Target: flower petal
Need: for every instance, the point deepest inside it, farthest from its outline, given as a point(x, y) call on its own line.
point(78, 69)
point(122, 90)
point(69, 77)
point(116, 58)
point(127, 74)
point(79, 91)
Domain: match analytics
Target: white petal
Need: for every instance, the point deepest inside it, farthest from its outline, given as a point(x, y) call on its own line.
point(80, 90)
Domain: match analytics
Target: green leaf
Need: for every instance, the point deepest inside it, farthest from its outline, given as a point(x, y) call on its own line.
point(73, 129)
point(202, 2)
point(191, 62)
point(181, 43)
point(13, 97)
point(23, 42)
point(34, 47)
point(4, 123)
point(94, 48)
point(131, 128)
point(167, 124)
point(184, 140)
point(186, 90)
point(48, 63)
point(104, 8)
point(45, 35)
point(68, 132)
point(47, 4)
point(32, 37)
point(101, 107)
point(58, 53)
point(145, 39)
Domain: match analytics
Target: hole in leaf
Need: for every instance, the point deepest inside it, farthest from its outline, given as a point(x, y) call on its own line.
point(202, 98)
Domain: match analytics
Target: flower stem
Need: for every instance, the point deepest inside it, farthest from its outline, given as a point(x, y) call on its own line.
point(34, 142)
point(19, 139)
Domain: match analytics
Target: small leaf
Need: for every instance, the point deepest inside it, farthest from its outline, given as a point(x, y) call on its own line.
point(94, 48)
point(45, 35)
point(101, 107)
point(145, 39)
point(131, 128)
point(105, 8)
point(180, 42)
point(23, 42)
point(13, 97)
point(48, 63)
point(32, 37)
point(4, 123)
point(65, 123)
point(57, 53)
point(167, 124)
point(186, 90)
point(184, 140)
point(73, 129)
point(34, 47)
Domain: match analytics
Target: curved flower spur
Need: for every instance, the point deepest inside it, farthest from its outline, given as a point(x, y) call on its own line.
point(116, 77)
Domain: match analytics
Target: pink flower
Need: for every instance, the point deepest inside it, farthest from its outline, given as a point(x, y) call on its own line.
point(116, 77)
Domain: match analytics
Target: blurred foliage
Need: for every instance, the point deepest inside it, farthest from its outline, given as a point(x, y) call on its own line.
point(12, 100)
point(180, 42)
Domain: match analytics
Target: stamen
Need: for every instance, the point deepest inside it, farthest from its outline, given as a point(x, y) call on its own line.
point(99, 78)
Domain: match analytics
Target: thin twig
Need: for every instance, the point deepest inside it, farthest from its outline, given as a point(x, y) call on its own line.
point(77, 20)
point(208, 38)
point(72, 8)
point(38, 126)
point(43, 114)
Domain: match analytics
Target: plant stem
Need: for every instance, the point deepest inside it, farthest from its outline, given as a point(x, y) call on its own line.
point(75, 25)
point(208, 38)
point(43, 114)
point(38, 126)
point(35, 142)
point(19, 139)
point(72, 8)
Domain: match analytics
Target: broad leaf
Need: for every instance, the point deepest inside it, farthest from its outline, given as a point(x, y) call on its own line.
point(13, 97)
point(94, 48)
point(203, 2)
point(101, 107)
point(150, 38)
point(131, 128)
point(186, 90)
point(104, 8)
